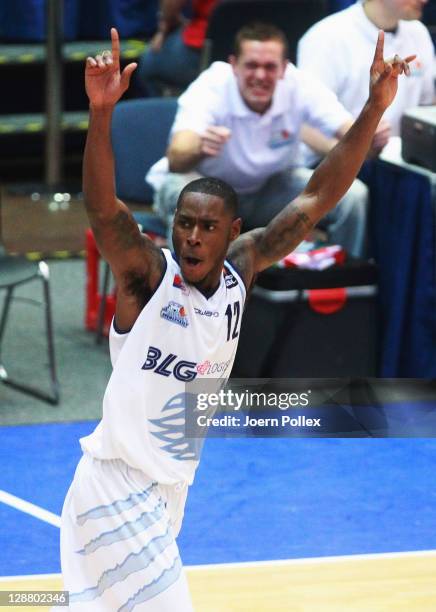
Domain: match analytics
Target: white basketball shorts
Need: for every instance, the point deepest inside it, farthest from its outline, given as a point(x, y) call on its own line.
point(118, 548)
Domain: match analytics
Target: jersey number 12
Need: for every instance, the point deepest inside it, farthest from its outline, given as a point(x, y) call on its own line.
point(229, 314)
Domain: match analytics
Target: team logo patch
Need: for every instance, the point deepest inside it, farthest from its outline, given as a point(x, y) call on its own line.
point(280, 138)
point(175, 313)
point(230, 280)
point(179, 284)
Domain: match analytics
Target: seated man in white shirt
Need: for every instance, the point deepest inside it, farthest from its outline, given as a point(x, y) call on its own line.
point(240, 122)
point(335, 50)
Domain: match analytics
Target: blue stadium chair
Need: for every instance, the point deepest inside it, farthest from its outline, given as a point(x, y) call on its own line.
point(140, 130)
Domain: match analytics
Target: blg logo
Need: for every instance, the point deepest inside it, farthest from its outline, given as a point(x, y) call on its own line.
point(181, 369)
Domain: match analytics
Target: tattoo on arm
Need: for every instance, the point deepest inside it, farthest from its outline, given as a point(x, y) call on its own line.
point(256, 250)
point(242, 255)
point(303, 218)
point(284, 233)
point(123, 229)
point(127, 249)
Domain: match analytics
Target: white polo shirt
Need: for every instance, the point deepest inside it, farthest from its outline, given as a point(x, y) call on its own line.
point(260, 145)
point(339, 50)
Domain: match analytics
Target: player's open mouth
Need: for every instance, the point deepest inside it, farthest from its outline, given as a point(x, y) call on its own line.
point(192, 261)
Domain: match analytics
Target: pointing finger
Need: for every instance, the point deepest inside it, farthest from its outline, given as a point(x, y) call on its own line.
point(378, 55)
point(115, 46)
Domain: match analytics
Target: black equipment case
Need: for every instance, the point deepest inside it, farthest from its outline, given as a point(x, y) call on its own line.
point(311, 324)
point(418, 134)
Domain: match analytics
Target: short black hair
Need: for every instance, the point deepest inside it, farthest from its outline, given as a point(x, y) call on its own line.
point(216, 187)
point(260, 31)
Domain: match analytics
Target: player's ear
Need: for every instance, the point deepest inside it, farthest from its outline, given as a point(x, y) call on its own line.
point(235, 229)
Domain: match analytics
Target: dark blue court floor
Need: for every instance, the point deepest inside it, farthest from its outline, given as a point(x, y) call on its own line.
point(252, 500)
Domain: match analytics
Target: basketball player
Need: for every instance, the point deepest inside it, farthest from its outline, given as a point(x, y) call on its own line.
point(177, 318)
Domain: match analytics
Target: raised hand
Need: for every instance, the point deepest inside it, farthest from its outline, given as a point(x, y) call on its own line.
point(213, 139)
point(104, 82)
point(384, 74)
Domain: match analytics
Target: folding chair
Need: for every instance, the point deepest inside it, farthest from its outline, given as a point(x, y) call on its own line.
point(14, 272)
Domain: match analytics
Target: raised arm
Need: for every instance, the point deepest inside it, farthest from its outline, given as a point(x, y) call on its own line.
point(260, 248)
point(136, 263)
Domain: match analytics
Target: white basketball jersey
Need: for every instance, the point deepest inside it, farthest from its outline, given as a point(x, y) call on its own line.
point(180, 335)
